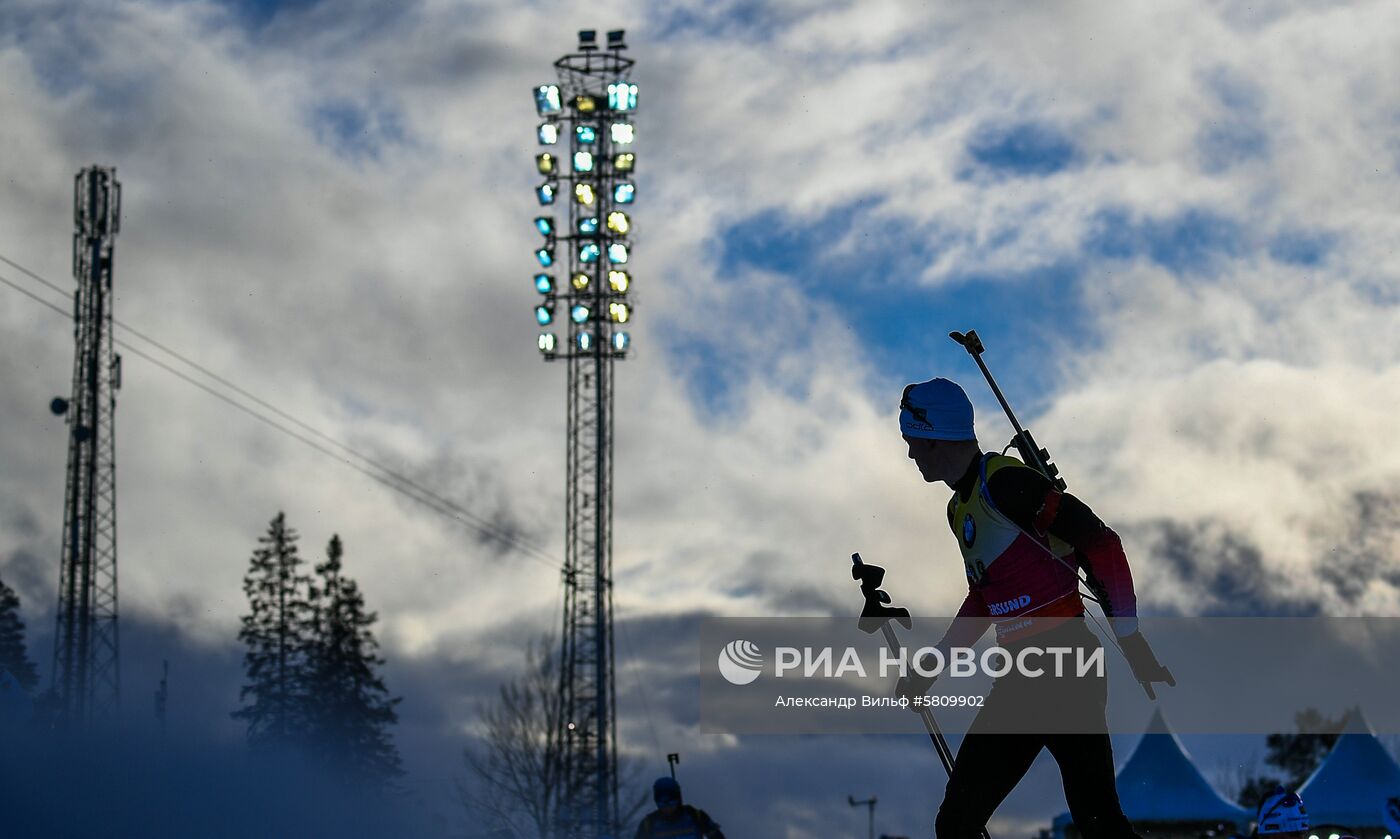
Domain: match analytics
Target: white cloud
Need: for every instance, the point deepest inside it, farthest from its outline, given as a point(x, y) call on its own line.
point(384, 298)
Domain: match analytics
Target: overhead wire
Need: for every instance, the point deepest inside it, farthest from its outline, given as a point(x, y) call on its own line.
point(400, 483)
point(476, 520)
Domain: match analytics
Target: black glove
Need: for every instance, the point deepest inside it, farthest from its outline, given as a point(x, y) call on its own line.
point(1146, 668)
point(913, 686)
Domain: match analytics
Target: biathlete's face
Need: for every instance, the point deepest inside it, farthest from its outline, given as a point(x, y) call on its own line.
point(931, 456)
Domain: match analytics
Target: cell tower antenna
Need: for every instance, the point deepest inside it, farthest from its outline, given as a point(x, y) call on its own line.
point(86, 659)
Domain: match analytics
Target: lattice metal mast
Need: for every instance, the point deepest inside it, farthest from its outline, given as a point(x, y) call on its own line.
point(589, 114)
point(86, 661)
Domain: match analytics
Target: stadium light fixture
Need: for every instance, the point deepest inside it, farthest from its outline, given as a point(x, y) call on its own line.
point(585, 137)
point(622, 96)
point(547, 101)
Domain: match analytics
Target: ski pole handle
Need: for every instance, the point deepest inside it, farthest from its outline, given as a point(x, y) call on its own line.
point(873, 578)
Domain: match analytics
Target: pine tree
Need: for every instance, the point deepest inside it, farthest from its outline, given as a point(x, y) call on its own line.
point(1294, 755)
point(353, 710)
point(14, 657)
point(278, 632)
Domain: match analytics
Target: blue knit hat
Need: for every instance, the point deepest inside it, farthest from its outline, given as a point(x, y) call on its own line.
point(936, 410)
point(1282, 812)
point(666, 791)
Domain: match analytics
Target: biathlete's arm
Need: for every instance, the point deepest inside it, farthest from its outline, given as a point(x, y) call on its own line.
point(1028, 498)
point(1035, 505)
point(973, 618)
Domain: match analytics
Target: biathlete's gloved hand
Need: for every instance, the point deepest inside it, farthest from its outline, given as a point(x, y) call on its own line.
point(913, 686)
point(1146, 668)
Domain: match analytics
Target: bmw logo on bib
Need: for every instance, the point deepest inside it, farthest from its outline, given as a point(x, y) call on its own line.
point(969, 530)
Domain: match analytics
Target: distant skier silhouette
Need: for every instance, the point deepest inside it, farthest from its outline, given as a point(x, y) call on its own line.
point(673, 819)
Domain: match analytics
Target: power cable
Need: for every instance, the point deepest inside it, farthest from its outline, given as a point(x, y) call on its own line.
point(432, 501)
point(400, 483)
point(481, 523)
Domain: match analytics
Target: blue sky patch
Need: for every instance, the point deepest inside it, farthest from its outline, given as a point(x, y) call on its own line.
point(356, 131)
point(256, 14)
point(713, 373)
point(846, 242)
point(1307, 248)
point(1025, 321)
point(1230, 141)
point(900, 322)
point(1024, 149)
point(1191, 241)
point(1237, 133)
point(749, 20)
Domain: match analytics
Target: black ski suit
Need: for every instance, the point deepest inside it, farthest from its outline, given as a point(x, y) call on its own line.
point(687, 823)
point(1013, 575)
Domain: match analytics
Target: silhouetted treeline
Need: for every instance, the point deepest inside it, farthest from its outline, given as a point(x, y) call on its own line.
point(14, 656)
point(312, 661)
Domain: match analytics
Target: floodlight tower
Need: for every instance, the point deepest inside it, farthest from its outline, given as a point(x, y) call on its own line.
point(86, 669)
point(587, 163)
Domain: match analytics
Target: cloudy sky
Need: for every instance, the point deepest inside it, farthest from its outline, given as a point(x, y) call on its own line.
point(1173, 224)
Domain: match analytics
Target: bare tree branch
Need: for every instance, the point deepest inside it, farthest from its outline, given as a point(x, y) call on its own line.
point(521, 770)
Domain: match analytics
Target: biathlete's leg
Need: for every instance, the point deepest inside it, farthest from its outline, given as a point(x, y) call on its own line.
point(1086, 766)
point(988, 767)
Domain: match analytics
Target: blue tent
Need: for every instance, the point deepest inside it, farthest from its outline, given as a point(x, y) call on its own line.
point(1351, 786)
point(1159, 785)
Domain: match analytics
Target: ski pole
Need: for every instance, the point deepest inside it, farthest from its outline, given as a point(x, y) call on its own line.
point(877, 609)
point(870, 577)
